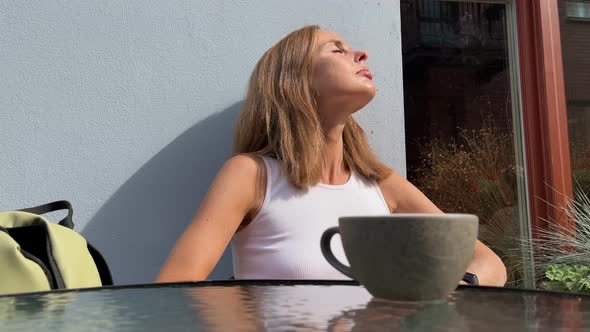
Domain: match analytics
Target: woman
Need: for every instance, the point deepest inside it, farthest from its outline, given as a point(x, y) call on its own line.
point(301, 162)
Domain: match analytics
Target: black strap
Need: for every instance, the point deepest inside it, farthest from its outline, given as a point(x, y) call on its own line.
point(102, 266)
point(55, 206)
point(471, 279)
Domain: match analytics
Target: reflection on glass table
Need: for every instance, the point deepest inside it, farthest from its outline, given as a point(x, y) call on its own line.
point(288, 306)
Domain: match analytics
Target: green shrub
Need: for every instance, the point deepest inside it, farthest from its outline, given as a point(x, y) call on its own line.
point(569, 278)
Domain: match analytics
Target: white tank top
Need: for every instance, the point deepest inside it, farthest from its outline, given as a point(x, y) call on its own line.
point(283, 240)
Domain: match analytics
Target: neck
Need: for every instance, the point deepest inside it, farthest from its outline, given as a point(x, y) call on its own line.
point(335, 171)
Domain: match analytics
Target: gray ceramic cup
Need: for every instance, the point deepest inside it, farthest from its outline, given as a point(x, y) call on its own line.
point(405, 257)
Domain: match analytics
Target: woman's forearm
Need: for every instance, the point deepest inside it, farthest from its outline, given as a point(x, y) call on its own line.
point(487, 266)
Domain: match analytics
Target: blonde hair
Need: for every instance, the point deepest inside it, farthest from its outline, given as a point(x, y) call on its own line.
point(280, 120)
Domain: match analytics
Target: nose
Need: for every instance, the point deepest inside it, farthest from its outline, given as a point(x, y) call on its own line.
point(361, 56)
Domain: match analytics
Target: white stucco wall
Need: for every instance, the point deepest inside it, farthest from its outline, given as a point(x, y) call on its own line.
point(126, 108)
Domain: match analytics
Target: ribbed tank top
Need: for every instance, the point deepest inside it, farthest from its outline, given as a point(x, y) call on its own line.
point(283, 240)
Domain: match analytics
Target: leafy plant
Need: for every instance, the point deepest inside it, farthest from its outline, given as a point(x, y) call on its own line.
point(561, 252)
point(563, 277)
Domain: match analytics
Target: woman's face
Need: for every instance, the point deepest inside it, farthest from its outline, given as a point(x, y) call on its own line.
point(341, 78)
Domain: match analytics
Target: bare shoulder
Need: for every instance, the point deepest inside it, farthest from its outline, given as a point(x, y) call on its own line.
point(402, 196)
point(389, 187)
point(242, 169)
point(242, 164)
point(246, 175)
point(240, 185)
point(394, 184)
point(393, 178)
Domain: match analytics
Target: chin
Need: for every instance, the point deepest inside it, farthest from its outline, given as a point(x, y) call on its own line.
point(368, 89)
point(363, 100)
point(369, 93)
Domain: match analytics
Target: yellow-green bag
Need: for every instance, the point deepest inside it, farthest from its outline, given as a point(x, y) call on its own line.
point(38, 255)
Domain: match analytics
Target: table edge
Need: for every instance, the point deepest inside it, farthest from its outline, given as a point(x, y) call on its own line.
point(290, 282)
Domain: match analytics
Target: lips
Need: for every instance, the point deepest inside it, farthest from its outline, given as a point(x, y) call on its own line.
point(366, 73)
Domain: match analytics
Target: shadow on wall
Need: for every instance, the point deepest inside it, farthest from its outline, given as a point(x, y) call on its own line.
point(137, 227)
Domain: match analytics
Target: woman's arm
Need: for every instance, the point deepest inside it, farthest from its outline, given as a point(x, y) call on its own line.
point(230, 197)
point(403, 197)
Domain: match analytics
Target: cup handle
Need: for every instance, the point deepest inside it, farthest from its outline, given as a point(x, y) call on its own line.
point(327, 252)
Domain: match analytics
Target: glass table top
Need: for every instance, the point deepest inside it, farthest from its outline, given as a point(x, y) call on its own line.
point(288, 306)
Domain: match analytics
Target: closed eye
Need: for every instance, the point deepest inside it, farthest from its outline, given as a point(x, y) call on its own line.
point(338, 51)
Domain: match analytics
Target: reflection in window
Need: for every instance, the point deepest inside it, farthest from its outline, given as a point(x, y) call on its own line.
point(458, 116)
point(575, 42)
